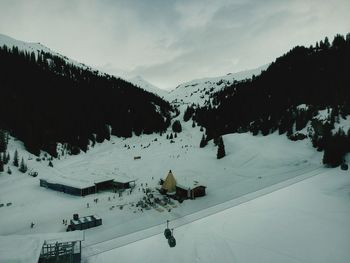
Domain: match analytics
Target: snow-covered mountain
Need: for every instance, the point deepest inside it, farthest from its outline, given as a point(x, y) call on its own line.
point(37, 48)
point(195, 91)
point(277, 228)
point(145, 85)
point(198, 91)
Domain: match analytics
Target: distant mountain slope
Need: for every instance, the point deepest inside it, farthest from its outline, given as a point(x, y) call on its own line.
point(51, 99)
point(36, 48)
point(316, 77)
point(198, 91)
point(140, 82)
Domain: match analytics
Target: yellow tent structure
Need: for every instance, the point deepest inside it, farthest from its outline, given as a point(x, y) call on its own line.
point(170, 183)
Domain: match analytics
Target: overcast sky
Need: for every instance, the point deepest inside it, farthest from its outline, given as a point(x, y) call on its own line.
point(171, 41)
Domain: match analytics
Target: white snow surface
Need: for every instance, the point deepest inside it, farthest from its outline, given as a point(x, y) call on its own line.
point(20, 249)
point(197, 91)
point(38, 48)
point(252, 164)
point(305, 222)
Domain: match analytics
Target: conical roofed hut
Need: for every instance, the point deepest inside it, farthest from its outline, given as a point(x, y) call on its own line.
point(170, 183)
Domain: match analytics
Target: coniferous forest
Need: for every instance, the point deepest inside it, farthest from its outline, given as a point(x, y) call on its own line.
point(316, 76)
point(45, 100)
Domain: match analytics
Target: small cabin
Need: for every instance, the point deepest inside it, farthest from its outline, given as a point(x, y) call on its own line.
point(83, 223)
point(190, 192)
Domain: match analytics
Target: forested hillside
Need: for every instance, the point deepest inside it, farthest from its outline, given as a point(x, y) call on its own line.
point(288, 96)
point(45, 100)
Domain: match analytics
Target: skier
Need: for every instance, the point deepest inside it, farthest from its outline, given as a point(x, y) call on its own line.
point(32, 224)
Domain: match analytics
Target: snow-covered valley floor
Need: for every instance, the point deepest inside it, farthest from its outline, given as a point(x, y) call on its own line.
point(305, 222)
point(252, 163)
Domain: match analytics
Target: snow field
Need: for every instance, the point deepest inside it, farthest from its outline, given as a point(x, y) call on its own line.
point(305, 222)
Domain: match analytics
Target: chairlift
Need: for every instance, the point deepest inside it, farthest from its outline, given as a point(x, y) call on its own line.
point(172, 240)
point(167, 231)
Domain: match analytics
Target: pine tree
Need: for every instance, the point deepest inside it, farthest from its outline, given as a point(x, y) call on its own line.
point(326, 43)
point(1, 164)
point(15, 159)
point(188, 113)
point(177, 126)
point(3, 141)
point(7, 158)
point(171, 136)
point(221, 149)
point(4, 158)
point(23, 167)
point(50, 164)
point(203, 142)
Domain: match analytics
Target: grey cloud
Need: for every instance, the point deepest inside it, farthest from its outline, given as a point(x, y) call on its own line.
point(171, 41)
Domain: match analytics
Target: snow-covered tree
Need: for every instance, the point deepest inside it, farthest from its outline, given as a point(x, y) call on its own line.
point(23, 167)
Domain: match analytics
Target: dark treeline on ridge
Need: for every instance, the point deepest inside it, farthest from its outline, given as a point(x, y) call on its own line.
point(317, 77)
point(45, 100)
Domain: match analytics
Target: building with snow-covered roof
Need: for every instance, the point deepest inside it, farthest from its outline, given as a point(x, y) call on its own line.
point(77, 187)
point(123, 181)
point(182, 188)
point(86, 184)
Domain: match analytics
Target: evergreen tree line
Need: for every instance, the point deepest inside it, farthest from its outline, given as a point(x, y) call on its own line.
point(5, 156)
point(46, 100)
point(317, 76)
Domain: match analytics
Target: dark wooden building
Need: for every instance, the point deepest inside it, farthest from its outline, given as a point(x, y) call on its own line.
point(190, 192)
point(76, 187)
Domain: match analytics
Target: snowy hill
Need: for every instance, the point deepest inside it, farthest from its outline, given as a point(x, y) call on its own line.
point(144, 84)
point(254, 166)
point(36, 48)
point(198, 91)
point(252, 163)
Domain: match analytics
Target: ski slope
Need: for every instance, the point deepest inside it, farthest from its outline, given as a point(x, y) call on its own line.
point(252, 163)
point(305, 222)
